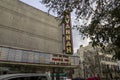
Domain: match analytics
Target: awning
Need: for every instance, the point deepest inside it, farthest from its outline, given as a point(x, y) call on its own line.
point(32, 64)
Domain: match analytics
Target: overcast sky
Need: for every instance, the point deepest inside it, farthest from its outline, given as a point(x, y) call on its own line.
point(77, 40)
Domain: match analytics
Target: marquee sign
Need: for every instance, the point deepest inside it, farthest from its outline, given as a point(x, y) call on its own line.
point(31, 57)
point(68, 34)
point(60, 59)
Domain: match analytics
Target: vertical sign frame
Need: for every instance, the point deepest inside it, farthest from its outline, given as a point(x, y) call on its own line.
point(68, 41)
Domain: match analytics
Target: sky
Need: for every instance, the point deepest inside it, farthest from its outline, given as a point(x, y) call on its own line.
point(77, 39)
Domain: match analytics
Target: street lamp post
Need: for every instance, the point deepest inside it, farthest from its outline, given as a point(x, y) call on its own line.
point(84, 69)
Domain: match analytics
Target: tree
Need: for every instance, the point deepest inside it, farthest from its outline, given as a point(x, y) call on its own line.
point(105, 19)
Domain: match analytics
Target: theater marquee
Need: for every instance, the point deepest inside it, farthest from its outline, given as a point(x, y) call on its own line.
point(18, 56)
point(68, 34)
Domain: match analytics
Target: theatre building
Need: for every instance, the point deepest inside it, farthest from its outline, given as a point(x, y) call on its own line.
point(32, 41)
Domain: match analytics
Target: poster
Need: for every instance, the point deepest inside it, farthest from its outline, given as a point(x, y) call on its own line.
point(41, 58)
point(18, 56)
point(31, 56)
point(72, 60)
point(4, 53)
point(0, 52)
point(47, 58)
point(25, 56)
point(11, 55)
point(36, 58)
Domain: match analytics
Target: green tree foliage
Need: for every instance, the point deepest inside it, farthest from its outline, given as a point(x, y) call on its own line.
point(105, 18)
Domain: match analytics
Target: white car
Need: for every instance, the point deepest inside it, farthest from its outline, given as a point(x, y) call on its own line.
point(25, 76)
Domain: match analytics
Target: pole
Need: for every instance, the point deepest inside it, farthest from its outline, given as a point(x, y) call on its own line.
point(99, 65)
point(84, 69)
point(52, 74)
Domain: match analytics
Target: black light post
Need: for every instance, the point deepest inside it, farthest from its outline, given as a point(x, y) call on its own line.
point(84, 69)
point(53, 73)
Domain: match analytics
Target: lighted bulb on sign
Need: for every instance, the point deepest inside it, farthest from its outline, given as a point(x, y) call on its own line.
point(68, 34)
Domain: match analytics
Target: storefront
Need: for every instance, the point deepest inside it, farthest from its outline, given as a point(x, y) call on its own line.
point(17, 60)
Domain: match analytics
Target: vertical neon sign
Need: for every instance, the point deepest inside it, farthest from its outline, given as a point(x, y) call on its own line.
point(68, 33)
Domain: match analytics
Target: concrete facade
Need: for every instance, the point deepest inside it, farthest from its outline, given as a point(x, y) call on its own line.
point(94, 62)
point(31, 41)
point(24, 27)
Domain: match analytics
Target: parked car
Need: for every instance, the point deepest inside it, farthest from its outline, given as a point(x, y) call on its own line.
point(25, 76)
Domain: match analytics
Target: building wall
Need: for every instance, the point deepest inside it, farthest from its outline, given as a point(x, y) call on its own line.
point(94, 61)
point(22, 26)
